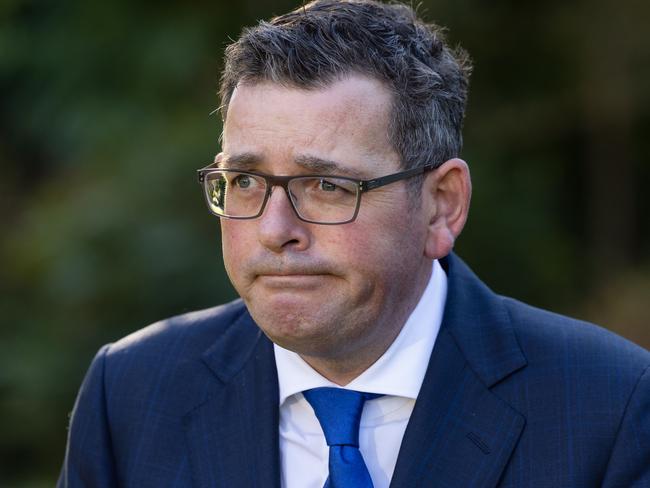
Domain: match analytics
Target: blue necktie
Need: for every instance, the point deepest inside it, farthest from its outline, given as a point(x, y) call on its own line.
point(339, 414)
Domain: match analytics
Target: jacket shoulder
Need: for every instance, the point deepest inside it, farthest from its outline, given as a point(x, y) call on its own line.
point(549, 336)
point(165, 363)
point(195, 331)
point(576, 362)
point(584, 393)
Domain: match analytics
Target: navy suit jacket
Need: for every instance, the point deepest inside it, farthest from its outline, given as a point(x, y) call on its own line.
point(513, 397)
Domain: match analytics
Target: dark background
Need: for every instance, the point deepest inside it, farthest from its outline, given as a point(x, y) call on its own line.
point(104, 118)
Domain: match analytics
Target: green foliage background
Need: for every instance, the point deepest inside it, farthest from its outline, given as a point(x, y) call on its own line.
point(104, 116)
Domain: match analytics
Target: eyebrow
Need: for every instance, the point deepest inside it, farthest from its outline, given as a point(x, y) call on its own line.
point(325, 166)
point(242, 161)
point(249, 161)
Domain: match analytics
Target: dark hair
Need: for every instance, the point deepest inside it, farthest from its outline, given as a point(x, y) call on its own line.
point(327, 40)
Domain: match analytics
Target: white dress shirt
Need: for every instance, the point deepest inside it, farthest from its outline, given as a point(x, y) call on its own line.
point(397, 374)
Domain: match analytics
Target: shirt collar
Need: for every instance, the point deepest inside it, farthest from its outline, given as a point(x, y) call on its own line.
point(399, 371)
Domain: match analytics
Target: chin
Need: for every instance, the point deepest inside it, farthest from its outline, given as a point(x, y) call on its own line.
point(294, 331)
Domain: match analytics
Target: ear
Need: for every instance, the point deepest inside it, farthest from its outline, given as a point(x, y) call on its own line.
point(218, 158)
point(446, 192)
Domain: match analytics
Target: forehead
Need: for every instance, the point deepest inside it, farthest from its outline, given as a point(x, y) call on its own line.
point(346, 122)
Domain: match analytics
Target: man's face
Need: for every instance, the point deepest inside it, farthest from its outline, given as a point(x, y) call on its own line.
point(324, 291)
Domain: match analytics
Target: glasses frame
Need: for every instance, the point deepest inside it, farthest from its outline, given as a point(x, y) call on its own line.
point(362, 186)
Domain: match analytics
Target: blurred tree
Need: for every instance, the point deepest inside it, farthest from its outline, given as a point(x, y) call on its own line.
point(104, 118)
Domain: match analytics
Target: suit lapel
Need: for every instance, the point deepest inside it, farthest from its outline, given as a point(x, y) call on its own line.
point(233, 434)
point(460, 433)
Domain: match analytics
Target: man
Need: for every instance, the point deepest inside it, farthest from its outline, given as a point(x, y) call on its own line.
point(363, 352)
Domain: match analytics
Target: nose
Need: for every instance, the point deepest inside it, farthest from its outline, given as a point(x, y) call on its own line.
point(280, 229)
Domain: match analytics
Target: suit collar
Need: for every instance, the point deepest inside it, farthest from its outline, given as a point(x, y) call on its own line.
point(480, 324)
point(460, 432)
point(232, 351)
point(233, 434)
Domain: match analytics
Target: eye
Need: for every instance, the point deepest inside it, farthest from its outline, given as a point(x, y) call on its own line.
point(242, 181)
point(327, 185)
point(327, 188)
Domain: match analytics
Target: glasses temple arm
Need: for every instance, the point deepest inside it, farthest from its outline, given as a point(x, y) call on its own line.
point(385, 180)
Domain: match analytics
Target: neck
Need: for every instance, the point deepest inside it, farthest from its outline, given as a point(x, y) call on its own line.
point(342, 372)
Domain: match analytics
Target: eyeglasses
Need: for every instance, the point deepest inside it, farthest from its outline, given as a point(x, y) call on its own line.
point(317, 199)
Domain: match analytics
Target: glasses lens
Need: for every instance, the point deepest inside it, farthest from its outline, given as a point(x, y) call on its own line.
point(323, 199)
point(235, 194)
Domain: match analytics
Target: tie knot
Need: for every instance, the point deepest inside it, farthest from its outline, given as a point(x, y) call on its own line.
point(339, 413)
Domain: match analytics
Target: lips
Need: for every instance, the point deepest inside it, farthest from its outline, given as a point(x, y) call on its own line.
point(292, 281)
point(285, 266)
point(293, 276)
point(291, 272)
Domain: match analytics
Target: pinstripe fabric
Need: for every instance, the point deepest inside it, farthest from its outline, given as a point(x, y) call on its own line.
point(513, 397)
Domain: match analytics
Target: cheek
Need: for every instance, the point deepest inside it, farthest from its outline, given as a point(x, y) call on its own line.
point(352, 247)
point(234, 245)
point(390, 247)
point(364, 252)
